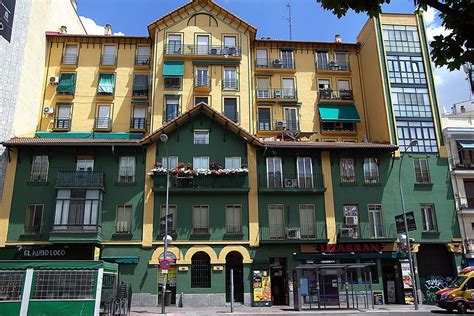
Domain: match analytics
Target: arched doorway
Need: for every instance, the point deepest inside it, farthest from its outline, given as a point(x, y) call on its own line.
point(233, 260)
point(200, 270)
point(170, 277)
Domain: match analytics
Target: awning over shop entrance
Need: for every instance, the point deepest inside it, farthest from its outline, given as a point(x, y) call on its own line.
point(173, 68)
point(344, 113)
point(466, 144)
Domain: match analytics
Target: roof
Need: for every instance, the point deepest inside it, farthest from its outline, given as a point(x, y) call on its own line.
point(330, 145)
point(58, 34)
point(292, 42)
point(194, 111)
point(37, 141)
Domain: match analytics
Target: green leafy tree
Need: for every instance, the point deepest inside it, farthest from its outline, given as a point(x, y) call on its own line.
point(452, 50)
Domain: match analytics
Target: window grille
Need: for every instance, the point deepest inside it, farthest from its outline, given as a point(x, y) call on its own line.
point(64, 284)
point(371, 170)
point(201, 137)
point(200, 271)
point(347, 171)
point(10, 285)
point(39, 169)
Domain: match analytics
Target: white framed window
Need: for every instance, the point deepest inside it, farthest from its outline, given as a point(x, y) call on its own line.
point(307, 220)
point(230, 78)
point(127, 169)
point(109, 56)
point(172, 209)
point(233, 219)
point(123, 220)
point(200, 163)
point(322, 60)
point(371, 170)
point(291, 118)
point(200, 219)
point(78, 210)
point(202, 47)
point(428, 216)
point(304, 169)
point(376, 221)
point(233, 162)
point(262, 58)
point(39, 168)
point(102, 119)
point(343, 85)
point(274, 172)
point(172, 108)
point(230, 41)
point(201, 137)
point(422, 172)
point(263, 88)
point(324, 84)
point(173, 162)
point(276, 221)
point(85, 163)
point(33, 218)
point(289, 91)
point(347, 170)
point(174, 44)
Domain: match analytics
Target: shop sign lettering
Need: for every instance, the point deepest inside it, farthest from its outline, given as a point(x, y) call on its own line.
point(342, 248)
point(39, 253)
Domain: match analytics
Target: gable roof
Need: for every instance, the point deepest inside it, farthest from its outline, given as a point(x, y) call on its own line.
point(216, 9)
point(195, 111)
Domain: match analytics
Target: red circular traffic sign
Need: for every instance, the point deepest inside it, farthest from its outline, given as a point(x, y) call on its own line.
point(164, 264)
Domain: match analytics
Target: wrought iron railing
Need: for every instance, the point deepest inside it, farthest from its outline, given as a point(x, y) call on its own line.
point(197, 230)
point(142, 60)
point(202, 50)
point(108, 59)
point(62, 123)
point(202, 82)
point(233, 229)
point(330, 94)
point(277, 125)
point(69, 59)
point(334, 66)
point(274, 63)
point(230, 84)
point(230, 181)
point(307, 231)
point(102, 123)
point(138, 123)
point(80, 179)
point(366, 231)
point(279, 93)
point(283, 182)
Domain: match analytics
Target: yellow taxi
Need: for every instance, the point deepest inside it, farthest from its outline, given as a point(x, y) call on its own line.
point(460, 293)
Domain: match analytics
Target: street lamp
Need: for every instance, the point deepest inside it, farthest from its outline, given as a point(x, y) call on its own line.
point(412, 143)
point(166, 239)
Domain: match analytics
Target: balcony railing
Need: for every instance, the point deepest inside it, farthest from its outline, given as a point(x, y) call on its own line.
point(230, 84)
point(202, 50)
point(281, 94)
point(366, 231)
point(230, 181)
point(232, 115)
point(138, 123)
point(167, 117)
point(200, 230)
point(33, 229)
point(264, 63)
point(108, 60)
point(329, 94)
point(102, 123)
point(123, 227)
point(62, 123)
point(279, 182)
point(69, 59)
point(307, 231)
point(233, 229)
point(348, 178)
point(277, 125)
point(202, 82)
point(80, 179)
point(142, 60)
point(334, 66)
point(140, 91)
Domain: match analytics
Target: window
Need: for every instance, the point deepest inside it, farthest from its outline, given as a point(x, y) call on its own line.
point(172, 209)
point(374, 273)
point(291, 118)
point(78, 210)
point(322, 60)
point(232, 162)
point(198, 100)
point(67, 84)
point(200, 270)
point(262, 58)
point(347, 171)
point(411, 102)
point(325, 92)
point(172, 108)
point(202, 77)
point(305, 172)
point(106, 85)
point(85, 163)
point(174, 46)
point(143, 56)
point(401, 38)
point(287, 58)
point(324, 84)
point(140, 85)
point(200, 219)
point(202, 47)
point(264, 119)
point(428, 217)
point(102, 120)
point(201, 137)
point(351, 221)
point(422, 172)
point(123, 221)
point(63, 118)
point(289, 91)
point(11, 285)
point(39, 168)
point(371, 170)
point(345, 92)
point(200, 163)
point(406, 69)
point(138, 118)
point(172, 82)
point(423, 131)
point(33, 218)
point(274, 172)
point(109, 55)
point(338, 126)
point(307, 221)
point(70, 55)
point(230, 41)
point(64, 285)
point(127, 169)
point(230, 78)
point(263, 88)
point(376, 221)
point(233, 219)
point(173, 162)
point(341, 61)
point(276, 221)
point(230, 109)
point(466, 156)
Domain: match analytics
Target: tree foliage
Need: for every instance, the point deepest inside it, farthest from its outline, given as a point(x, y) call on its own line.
point(452, 49)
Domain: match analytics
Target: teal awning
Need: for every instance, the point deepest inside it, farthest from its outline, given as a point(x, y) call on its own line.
point(106, 83)
point(466, 144)
point(338, 113)
point(122, 259)
point(67, 83)
point(173, 68)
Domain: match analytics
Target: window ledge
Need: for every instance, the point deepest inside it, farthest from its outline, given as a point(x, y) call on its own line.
point(377, 184)
point(348, 184)
point(38, 183)
point(125, 184)
point(30, 236)
point(233, 236)
point(430, 233)
point(200, 236)
point(423, 184)
point(122, 236)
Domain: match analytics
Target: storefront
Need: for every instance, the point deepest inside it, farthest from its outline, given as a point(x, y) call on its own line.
point(51, 252)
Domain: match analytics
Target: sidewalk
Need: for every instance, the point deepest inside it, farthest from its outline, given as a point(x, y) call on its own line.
point(283, 310)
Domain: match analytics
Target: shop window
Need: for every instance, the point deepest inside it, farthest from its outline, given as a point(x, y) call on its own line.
point(127, 169)
point(200, 270)
point(371, 170)
point(64, 285)
point(33, 218)
point(123, 222)
point(11, 285)
point(39, 168)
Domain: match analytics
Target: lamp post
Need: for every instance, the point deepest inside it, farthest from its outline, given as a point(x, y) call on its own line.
point(412, 143)
point(166, 238)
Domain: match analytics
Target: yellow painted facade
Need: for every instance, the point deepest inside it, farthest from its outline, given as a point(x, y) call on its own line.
point(7, 197)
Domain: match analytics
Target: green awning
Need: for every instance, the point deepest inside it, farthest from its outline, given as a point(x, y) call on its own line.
point(67, 83)
point(338, 113)
point(106, 83)
point(466, 144)
point(173, 68)
point(122, 259)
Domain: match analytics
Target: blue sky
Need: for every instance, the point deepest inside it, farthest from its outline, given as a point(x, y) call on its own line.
point(310, 22)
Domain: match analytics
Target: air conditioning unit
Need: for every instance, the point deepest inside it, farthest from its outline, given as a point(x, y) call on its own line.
point(48, 110)
point(352, 220)
point(290, 183)
point(280, 124)
point(346, 233)
point(293, 233)
point(54, 80)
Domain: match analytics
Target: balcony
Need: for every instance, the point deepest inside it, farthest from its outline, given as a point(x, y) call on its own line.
point(335, 95)
point(69, 60)
point(62, 124)
point(275, 183)
point(80, 179)
point(263, 65)
point(78, 222)
point(365, 231)
point(293, 233)
point(102, 124)
point(214, 183)
point(277, 94)
point(140, 92)
point(108, 60)
point(138, 124)
point(230, 84)
point(202, 84)
point(142, 61)
point(338, 66)
point(198, 51)
point(277, 125)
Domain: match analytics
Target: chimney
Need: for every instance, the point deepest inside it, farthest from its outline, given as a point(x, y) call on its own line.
point(63, 29)
point(338, 38)
point(108, 29)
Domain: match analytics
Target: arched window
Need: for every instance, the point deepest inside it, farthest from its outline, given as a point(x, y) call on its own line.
point(200, 270)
